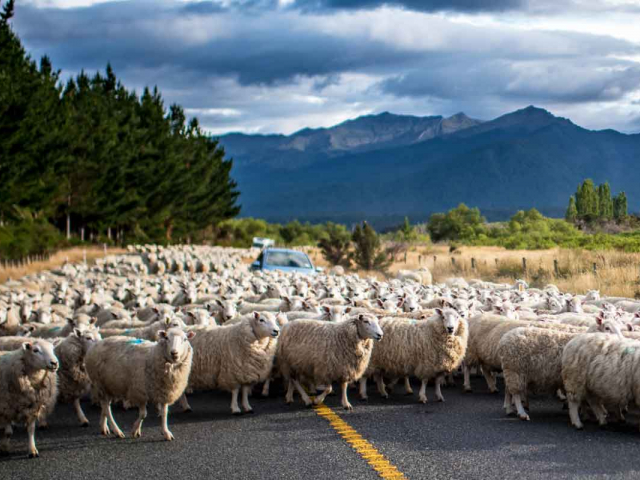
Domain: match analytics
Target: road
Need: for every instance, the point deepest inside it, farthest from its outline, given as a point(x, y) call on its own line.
point(466, 437)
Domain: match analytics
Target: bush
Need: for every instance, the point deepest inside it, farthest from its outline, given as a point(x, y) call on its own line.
point(29, 236)
point(335, 245)
point(368, 253)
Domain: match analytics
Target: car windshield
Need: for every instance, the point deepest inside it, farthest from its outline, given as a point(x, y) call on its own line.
point(288, 259)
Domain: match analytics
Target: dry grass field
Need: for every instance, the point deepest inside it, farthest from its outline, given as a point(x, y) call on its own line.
point(73, 255)
point(615, 273)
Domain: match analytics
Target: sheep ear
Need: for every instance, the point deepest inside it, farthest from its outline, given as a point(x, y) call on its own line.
point(326, 309)
point(219, 303)
point(380, 303)
point(361, 316)
point(77, 332)
point(629, 327)
point(347, 310)
point(599, 319)
point(71, 321)
point(401, 302)
point(161, 335)
point(256, 315)
point(190, 335)
point(93, 320)
point(440, 312)
point(27, 346)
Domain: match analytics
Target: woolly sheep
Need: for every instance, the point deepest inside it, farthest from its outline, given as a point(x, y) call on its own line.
point(426, 349)
point(28, 383)
point(602, 369)
point(323, 352)
point(235, 357)
point(139, 371)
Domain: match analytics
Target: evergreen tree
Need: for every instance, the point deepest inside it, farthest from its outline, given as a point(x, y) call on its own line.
point(336, 244)
point(605, 202)
point(368, 254)
point(572, 212)
point(587, 201)
point(620, 207)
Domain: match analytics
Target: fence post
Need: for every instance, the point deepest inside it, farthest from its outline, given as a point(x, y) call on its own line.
point(419, 259)
point(473, 263)
point(405, 257)
point(524, 265)
point(434, 260)
point(555, 268)
point(496, 263)
point(595, 268)
point(453, 262)
point(104, 245)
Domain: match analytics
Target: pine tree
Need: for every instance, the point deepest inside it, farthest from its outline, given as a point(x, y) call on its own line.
point(587, 201)
point(368, 253)
point(572, 212)
point(336, 244)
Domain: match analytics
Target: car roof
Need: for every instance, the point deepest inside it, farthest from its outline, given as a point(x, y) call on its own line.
point(283, 250)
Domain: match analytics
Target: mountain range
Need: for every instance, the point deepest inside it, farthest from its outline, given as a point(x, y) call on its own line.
point(383, 167)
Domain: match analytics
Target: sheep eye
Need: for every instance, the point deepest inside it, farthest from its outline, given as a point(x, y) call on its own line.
point(262, 320)
point(366, 321)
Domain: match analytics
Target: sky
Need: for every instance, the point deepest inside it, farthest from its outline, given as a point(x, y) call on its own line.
point(277, 66)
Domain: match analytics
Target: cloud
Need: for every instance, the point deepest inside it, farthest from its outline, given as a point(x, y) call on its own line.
point(274, 66)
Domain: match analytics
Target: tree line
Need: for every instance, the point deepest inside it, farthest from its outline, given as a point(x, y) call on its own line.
point(591, 203)
point(93, 158)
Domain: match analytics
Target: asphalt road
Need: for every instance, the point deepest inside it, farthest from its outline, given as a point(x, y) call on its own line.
point(466, 437)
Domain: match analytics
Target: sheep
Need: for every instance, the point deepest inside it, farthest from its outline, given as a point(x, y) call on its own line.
point(532, 362)
point(421, 276)
point(323, 352)
point(146, 333)
point(235, 357)
point(28, 383)
point(73, 381)
point(140, 371)
point(603, 370)
point(426, 349)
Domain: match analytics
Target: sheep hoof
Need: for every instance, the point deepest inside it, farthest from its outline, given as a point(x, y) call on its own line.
point(34, 455)
point(524, 418)
point(237, 414)
point(187, 410)
point(348, 408)
point(168, 436)
point(441, 399)
point(494, 392)
point(249, 411)
point(84, 424)
point(364, 399)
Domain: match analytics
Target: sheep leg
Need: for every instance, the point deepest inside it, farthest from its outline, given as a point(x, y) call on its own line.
point(381, 386)
point(137, 427)
point(320, 398)
point(363, 388)
point(265, 387)
point(439, 380)
point(164, 413)
point(422, 395)
point(80, 413)
point(407, 386)
point(598, 410)
point(245, 399)
point(289, 396)
point(522, 415)
point(561, 395)
point(184, 403)
point(42, 420)
point(6, 438)
point(112, 422)
point(507, 405)
point(345, 400)
point(303, 394)
point(31, 430)
point(467, 380)
point(104, 427)
point(490, 379)
point(574, 415)
point(234, 401)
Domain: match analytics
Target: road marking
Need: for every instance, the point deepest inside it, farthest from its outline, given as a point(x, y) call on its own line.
point(367, 452)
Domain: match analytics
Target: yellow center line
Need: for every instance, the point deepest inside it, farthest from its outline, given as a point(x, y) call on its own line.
point(365, 449)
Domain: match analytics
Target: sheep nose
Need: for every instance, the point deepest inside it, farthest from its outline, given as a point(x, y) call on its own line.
point(174, 353)
point(450, 329)
point(379, 337)
point(53, 365)
point(275, 333)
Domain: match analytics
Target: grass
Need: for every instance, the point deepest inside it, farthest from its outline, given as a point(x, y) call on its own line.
point(617, 273)
point(72, 255)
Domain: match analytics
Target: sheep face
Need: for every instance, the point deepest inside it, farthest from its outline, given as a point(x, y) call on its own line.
point(264, 325)
point(88, 338)
point(39, 355)
point(335, 314)
point(44, 317)
point(555, 305)
point(175, 343)
point(410, 304)
point(592, 295)
point(368, 327)
point(310, 306)
point(228, 309)
point(450, 320)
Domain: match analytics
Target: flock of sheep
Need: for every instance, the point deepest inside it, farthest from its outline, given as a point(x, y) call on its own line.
point(152, 326)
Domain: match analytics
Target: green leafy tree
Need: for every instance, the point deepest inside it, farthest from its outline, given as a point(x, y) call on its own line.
point(460, 223)
point(572, 212)
point(587, 201)
point(335, 245)
point(368, 253)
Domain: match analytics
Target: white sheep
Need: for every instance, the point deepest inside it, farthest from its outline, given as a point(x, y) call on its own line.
point(138, 371)
point(28, 383)
point(319, 352)
point(235, 357)
point(424, 349)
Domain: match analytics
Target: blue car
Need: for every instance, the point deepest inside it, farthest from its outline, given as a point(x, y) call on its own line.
point(285, 260)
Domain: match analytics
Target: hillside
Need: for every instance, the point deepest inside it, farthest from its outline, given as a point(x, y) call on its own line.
point(387, 166)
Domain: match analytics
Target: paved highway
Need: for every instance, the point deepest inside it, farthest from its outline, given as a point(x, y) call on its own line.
point(466, 437)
